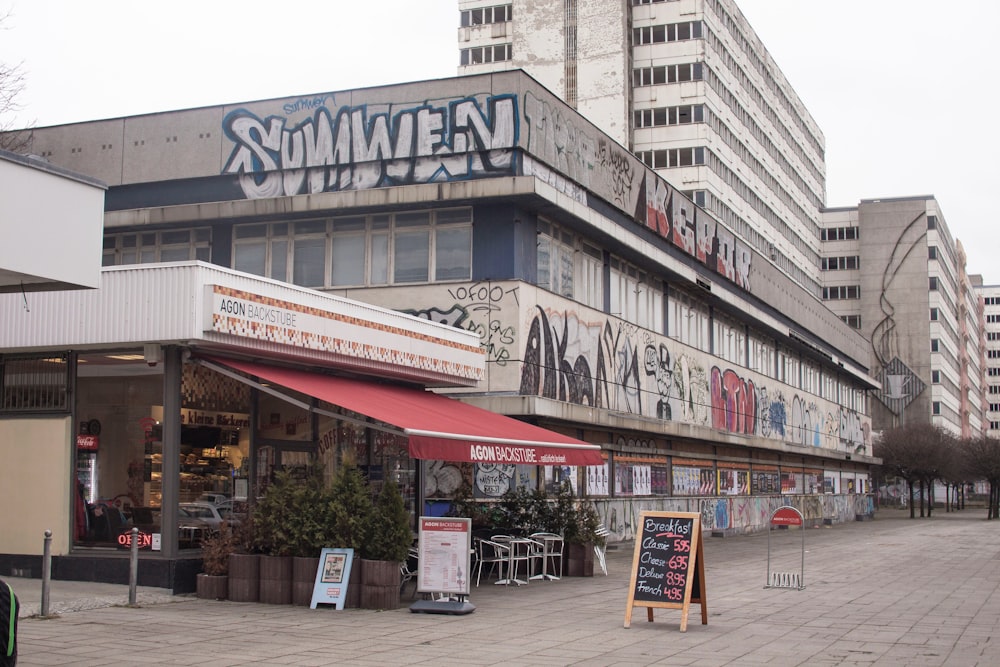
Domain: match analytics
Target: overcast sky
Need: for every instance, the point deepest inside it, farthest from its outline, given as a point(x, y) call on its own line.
point(903, 90)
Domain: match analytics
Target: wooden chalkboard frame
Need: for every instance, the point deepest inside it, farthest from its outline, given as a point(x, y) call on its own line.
point(694, 573)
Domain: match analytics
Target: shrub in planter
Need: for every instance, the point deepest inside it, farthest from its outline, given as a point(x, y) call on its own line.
point(581, 537)
point(350, 508)
point(273, 520)
point(212, 583)
point(389, 539)
point(244, 564)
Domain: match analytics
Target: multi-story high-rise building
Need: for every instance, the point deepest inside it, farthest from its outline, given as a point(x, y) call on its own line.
point(690, 89)
point(893, 271)
point(990, 354)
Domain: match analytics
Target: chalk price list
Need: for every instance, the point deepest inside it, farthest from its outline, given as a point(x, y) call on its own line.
point(663, 560)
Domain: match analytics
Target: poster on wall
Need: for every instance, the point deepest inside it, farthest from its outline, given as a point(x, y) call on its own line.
point(764, 481)
point(734, 482)
point(597, 480)
point(556, 476)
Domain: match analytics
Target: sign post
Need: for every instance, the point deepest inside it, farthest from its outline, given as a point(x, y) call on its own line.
point(668, 568)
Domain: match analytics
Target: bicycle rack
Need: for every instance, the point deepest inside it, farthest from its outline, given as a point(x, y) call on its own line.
point(786, 515)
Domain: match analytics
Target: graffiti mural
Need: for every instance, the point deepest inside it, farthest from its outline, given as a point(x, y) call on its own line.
point(675, 217)
point(367, 146)
point(474, 309)
point(597, 364)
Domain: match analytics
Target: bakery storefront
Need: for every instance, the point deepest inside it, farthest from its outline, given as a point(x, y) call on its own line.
point(174, 387)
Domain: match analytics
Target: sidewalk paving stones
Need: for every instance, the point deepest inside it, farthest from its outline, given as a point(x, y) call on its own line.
point(892, 591)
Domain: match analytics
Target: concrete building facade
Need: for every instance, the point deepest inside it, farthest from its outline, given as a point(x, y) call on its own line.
point(712, 381)
point(990, 354)
point(894, 272)
point(690, 89)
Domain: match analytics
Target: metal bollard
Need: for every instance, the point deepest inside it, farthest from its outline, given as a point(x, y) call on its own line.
point(133, 568)
point(46, 572)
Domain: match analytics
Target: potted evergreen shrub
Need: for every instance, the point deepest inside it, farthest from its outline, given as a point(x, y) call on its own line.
point(390, 537)
point(244, 564)
point(309, 530)
point(212, 582)
point(273, 521)
point(581, 537)
point(350, 508)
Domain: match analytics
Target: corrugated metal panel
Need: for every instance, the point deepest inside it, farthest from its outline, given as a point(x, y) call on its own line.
point(166, 303)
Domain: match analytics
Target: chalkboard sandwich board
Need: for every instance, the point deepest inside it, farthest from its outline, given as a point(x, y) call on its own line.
point(668, 568)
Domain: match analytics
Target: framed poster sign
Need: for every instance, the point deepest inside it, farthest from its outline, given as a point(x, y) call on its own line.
point(332, 577)
point(444, 555)
point(668, 568)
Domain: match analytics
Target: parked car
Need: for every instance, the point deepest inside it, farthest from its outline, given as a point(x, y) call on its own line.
point(205, 514)
point(233, 511)
point(213, 498)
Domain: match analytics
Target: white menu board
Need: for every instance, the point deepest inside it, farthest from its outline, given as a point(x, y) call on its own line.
point(444, 555)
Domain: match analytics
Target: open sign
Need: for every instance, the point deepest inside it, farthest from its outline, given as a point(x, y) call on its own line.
point(143, 539)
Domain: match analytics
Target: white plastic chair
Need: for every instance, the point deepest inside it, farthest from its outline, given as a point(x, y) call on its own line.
point(493, 554)
point(601, 550)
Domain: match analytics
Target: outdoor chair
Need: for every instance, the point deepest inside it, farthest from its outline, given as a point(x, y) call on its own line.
point(492, 554)
point(600, 550)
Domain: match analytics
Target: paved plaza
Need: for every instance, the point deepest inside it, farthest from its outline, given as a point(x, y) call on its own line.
point(892, 591)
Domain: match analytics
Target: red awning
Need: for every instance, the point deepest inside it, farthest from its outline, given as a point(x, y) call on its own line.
point(438, 427)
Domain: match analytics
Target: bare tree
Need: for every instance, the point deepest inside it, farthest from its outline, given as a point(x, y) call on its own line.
point(982, 458)
point(12, 84)
point(920, 454)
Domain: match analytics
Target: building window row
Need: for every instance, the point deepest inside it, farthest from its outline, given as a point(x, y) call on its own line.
point(569, 266)
point(491, 53)
point(674, 157)
point(487, 15)
point(661, 74)
point(991, 300)
point(994, 389)
point(751, 196)
point(406, 247)
point(671, 32)
point(174, 245)
point(770, 78)
point(853, 321)
point(839, 234)
point(749, 156)
point(993, 372)
point(663, 116)
point(994, 407)
point(752, 235)
point(783, 125)
point(635, 295)
point(637, 3)
point(993, 354)
point(993, 318)
point(841, 292)
point(839, 263)
point(993, 335)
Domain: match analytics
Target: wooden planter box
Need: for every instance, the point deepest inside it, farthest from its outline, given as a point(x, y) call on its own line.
point(244, 577)
point(380, 581)
point(212, 586)
point(580, 560)
point(303, 579)
point(276, 579)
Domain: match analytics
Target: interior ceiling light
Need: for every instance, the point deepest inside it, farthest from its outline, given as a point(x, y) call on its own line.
point(125, 357)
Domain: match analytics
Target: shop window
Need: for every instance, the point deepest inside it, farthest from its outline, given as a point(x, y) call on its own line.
point(34, 384)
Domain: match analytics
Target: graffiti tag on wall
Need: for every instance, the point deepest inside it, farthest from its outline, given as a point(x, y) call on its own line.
point(367, 146)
